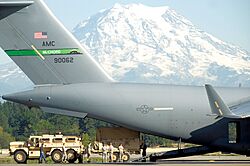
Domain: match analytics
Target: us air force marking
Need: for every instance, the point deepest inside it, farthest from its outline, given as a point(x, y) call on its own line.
point(144, 109)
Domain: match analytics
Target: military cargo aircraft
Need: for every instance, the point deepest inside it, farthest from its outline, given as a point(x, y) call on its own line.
point(69, 81)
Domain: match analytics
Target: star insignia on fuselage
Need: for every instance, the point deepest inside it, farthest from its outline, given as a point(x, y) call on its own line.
point(144, 109)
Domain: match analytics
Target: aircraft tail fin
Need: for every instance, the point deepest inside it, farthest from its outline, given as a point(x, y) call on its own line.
point(42, 47)
point(218, 106)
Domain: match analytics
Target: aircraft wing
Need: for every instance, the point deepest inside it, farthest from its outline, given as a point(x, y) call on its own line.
point(64, 112)
point(219, 108)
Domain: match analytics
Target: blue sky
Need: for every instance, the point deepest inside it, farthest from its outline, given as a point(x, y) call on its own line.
point(228, 20)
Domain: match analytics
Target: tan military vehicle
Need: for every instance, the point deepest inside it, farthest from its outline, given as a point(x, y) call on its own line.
point(53, 144)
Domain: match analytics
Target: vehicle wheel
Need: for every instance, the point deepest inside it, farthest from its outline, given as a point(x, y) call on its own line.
point(71, 156)
point(20, 157)
point(57, 156)
point(115, 157)
point(125, 157)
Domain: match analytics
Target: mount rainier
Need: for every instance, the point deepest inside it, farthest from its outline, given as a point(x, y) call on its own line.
point(137, 43)
point(155, 44)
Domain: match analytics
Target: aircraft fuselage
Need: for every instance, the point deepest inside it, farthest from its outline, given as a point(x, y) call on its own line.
point(164, 110)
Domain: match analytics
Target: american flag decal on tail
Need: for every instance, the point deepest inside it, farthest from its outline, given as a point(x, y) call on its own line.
point(40, 35)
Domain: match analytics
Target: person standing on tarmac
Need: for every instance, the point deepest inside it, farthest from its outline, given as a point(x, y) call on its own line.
point(104, 153)
point(64, 158)
point(111, 150)
point(89, 152)
point(42, 155)
point(143, 148)
point(121, 149)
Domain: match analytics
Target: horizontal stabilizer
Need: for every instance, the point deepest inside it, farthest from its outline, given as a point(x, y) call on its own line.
point(242, 109)
point(64, 112)
point(9, 7)
point(219, 108)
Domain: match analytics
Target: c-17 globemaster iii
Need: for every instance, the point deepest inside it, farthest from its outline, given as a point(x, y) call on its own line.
point(69, 81)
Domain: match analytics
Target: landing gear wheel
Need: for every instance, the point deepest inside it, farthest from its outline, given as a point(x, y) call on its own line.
point(57, 156)
point(20, 157)
point(71, 156)
point(125, 157)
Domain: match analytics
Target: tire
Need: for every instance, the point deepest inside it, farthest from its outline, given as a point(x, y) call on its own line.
point(125, 157)
point(71, 156)
point(57, 156)
point(115, 157)
point(20, 157)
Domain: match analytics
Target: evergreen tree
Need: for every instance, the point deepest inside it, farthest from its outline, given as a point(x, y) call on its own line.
point(20, 122)
point(5, 139)
point(64, 124)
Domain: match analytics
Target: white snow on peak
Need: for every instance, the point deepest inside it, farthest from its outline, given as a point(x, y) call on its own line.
point(141, 11)
point(135, 42)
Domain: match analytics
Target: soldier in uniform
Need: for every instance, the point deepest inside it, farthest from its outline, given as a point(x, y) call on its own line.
point(143, 148)
point(42, 155)
point(111, 151)
point(104, 153)
point(64, 158)
point(89, 152)
point(121, 149)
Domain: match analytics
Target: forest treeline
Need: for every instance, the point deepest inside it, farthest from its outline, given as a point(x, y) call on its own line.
point(18, 122)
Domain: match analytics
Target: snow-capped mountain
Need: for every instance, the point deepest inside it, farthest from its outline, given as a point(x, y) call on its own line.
point(12, 79)
point(155, 44)
point(137, 43)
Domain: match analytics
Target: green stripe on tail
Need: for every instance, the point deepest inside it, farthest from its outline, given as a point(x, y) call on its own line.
point(65, 51)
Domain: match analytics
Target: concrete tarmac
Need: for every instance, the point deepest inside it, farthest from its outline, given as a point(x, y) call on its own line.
point(184, 161)
point(167, 163)
point(160, 163)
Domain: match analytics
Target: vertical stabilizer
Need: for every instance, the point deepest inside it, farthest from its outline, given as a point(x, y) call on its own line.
point(218, 106)
point(42, 47)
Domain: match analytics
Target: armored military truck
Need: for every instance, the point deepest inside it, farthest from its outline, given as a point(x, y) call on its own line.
point(30, 149)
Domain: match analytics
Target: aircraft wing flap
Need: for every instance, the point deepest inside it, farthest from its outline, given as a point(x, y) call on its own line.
point(64, 112)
